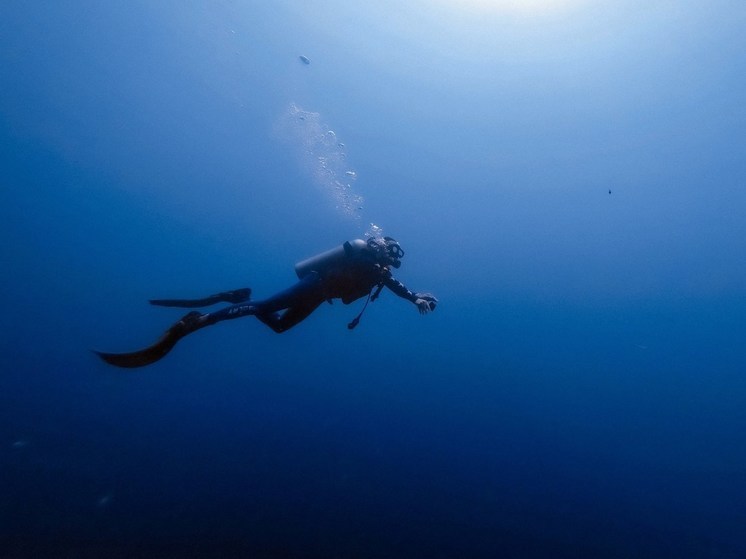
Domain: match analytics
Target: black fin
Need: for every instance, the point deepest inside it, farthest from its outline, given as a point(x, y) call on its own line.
point(235, 296)
point(159, 349)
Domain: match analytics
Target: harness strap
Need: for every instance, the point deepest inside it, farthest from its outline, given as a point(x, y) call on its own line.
point(371, 297)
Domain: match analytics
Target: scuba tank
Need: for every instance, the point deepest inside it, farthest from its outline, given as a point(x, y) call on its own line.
point(330, 259)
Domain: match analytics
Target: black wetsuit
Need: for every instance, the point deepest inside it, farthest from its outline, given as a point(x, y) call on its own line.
point(350, 281)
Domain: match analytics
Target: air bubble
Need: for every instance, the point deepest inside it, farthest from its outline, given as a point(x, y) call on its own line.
point(323, 156)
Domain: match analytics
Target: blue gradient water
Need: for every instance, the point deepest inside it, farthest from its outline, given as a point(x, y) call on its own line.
point(580, 390)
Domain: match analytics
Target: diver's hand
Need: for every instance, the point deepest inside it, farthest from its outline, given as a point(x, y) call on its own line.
point(423, 306)
point(428, 298)
point(425, 302)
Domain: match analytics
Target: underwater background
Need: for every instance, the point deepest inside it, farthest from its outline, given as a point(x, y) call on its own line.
point(567, 176)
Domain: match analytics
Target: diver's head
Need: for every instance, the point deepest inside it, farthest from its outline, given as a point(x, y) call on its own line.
point(388, 251)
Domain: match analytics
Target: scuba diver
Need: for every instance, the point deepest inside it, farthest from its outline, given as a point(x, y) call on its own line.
point(348, 272)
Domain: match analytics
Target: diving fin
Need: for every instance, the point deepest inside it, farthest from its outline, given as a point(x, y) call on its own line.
point(188, 324)
point(235, 296)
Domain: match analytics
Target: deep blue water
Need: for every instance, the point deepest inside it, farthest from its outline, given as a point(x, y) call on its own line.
point(580, 389)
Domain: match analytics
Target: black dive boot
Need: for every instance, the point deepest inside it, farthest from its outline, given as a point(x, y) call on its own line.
point(188, 324)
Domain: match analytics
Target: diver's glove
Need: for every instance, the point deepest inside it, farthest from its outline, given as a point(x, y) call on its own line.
point(425, 302)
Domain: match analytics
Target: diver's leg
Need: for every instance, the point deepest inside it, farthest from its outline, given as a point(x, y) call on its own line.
point(297, 301)
point(301, 299)
point(294, 295)
point(282, 322)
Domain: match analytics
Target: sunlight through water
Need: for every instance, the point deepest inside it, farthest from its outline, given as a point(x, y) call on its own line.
point(515, 7)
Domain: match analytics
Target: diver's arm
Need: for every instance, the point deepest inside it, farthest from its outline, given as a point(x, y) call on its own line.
point(425, 302)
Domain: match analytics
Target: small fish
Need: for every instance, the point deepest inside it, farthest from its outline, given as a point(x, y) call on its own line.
point(304, 59)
